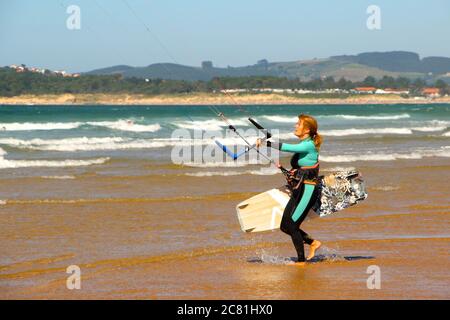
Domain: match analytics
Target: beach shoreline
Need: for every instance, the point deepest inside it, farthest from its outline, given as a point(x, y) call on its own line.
point(209, 99)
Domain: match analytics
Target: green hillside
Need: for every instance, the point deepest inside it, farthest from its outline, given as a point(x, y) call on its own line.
point(354, 68)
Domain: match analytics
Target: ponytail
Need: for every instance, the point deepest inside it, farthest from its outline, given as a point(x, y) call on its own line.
point(311, 124)
point(317, 138)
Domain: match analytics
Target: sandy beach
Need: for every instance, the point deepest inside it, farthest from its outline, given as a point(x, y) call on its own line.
point(207, 99)
point(144, 243)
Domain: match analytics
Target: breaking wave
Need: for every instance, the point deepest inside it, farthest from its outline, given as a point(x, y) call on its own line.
point(354, 131)
point(374, 117)
point(11, 164)
point(211, 124)
point(122, 125)
point(114, 143)
point(293, 119)
point(125, 125)
point(28, 126)
point(420, 154)
point(282, 119)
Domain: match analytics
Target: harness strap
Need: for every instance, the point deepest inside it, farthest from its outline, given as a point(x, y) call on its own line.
point(311, 167)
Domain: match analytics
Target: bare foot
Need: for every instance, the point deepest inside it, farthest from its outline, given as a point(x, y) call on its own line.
point(312, 250)
point(297, 264)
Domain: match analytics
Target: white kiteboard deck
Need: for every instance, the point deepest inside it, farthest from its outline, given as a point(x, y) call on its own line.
point(264, 211)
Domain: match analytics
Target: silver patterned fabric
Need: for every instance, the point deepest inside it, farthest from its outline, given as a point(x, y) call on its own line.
point(338, 191)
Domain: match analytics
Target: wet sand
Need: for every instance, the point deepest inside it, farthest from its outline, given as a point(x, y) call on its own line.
point(172, 236)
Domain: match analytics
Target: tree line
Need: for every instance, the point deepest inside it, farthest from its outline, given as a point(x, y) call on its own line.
point(14, 83)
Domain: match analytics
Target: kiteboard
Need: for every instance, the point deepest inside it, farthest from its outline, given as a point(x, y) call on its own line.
point(337, 191)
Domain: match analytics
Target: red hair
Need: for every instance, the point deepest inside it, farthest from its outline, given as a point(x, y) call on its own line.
point(311, 123)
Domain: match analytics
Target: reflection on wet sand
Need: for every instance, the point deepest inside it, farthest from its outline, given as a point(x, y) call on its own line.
point(133, 239)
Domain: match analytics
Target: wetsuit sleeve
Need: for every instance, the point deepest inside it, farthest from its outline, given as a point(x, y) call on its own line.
point(275, 145)
point(296, 148)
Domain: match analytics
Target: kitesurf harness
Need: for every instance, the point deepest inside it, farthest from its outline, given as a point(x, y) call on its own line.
point(298, 175)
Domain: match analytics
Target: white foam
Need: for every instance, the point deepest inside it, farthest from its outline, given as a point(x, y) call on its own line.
point(123, 125)
point(418, 154)
point(429, 129)
point(210, 125)
point(2, 152)
point(446, 134)
point(283, 119)
point(439, 123)
point(285, 135)
point(2, 202)
point(374, 117)
point(58, 177)
point(10, 164)
point(68, 144)
point(294, 119)
point(337, 169)
point(27, 126)
point(116, 143)
point(354, 131)
point(126, 125)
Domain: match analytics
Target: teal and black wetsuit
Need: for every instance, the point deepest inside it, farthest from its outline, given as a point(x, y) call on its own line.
point(303, 197)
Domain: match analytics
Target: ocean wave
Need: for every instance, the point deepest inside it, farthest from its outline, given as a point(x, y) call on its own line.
point(126, 125)
point(439, 123)
point(419, 154)
point(284, 136)
point(368, 131)
point(293, 119)
point(29, 126)
point(354, 131)
point(11, 164)
point(117, 143)
point(68, 144)
point(211, 124)
point(122, 125)
point(283, 119)
point(446, 134)
point(374, 117)
point(429, 129)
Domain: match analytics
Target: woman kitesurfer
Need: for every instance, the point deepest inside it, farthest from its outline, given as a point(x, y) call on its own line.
point(304, 191)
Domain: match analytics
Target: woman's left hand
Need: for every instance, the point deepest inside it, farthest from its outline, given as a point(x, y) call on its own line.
point(258, 143)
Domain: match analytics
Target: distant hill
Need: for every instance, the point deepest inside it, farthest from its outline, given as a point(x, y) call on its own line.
point(351, 67)
point(399, 61)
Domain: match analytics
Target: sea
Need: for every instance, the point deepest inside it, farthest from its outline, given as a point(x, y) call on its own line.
point(48, 140)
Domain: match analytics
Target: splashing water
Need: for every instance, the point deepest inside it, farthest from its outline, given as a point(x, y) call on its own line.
point(325, 255)
point(328, 254)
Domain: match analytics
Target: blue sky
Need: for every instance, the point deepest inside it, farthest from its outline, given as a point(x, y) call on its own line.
point(227, 32)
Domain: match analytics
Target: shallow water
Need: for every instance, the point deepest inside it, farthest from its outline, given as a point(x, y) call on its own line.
point(145, 228)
